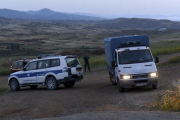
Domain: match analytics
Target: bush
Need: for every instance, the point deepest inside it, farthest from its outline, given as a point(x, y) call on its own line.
point(171, 99)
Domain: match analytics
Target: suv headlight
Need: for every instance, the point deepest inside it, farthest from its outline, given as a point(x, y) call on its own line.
point(125, 77)
point(153, 74)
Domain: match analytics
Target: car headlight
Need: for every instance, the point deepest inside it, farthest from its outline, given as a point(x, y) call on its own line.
point(125, 77)
point(154, 74)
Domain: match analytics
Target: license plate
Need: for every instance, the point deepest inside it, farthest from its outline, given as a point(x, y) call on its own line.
point(141, 84)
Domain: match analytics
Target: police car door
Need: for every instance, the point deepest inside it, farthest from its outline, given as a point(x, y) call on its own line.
point(29, 75)
point(43, 68)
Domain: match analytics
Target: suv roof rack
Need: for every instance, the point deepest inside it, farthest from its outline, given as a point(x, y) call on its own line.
point(71, 55)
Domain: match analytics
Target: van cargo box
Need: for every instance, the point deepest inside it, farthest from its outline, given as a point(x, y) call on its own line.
point(110, 44)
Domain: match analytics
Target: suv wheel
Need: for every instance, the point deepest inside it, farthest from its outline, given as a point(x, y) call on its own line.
point(51, 83)
point(69, 84)
point(33, 86)
point(14, 85)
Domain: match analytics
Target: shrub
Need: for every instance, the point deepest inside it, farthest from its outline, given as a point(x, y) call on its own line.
point(171, 99)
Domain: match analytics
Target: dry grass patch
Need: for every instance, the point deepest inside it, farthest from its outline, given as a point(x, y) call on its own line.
point(171, 99)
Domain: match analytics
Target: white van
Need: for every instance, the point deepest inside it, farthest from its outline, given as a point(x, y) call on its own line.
point(130, 62)
point(49, 71)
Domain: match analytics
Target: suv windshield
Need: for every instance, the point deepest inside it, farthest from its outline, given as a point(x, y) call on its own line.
point(72, 62)
point(135, 56)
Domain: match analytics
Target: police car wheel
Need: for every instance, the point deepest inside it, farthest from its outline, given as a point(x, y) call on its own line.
point(33, 86)
point(14, 85)
point(119, 87)
point(51, 83)
point(69, 84)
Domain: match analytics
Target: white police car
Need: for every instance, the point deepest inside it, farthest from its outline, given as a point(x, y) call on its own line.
point(49, 71)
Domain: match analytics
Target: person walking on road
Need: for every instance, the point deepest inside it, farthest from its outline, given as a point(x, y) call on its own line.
point(86, 62)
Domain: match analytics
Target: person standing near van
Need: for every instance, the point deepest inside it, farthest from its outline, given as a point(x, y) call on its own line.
point(86, 62)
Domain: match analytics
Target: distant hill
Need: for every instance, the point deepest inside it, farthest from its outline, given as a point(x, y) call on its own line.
point(44, 14)
point(137, 23)
point(5, 21)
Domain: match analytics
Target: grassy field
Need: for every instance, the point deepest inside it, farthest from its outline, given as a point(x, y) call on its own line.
point(77, 38)
point(173, 60)
point(165, 47)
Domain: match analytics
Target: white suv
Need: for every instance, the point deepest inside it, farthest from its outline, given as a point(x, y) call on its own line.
point(50, 71)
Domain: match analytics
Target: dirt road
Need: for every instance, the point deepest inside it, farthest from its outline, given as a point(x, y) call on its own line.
point(94, 93)
point(120, 115)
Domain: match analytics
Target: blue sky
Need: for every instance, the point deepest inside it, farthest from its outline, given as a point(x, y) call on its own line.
point(99, 7)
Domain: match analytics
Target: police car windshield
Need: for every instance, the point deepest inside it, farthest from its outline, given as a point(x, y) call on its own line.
point(72, 62)
point(135, 56)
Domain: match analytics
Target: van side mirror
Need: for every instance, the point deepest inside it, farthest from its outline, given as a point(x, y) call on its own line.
point(157, 60)
point(113, 64)
point(24, 69)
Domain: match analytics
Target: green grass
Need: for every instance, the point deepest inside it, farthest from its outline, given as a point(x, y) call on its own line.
point(174, 60)
point(165, 47)
point(5, 71)
point(95, 61)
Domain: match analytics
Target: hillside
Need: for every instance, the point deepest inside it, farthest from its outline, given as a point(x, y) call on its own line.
point(44, 14)
point(137, 23)
point(5, 21)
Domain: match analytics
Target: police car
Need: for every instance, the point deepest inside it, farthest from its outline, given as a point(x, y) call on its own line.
point(49, 71)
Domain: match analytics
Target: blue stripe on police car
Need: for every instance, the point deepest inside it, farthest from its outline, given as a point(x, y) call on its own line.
point(33, 74)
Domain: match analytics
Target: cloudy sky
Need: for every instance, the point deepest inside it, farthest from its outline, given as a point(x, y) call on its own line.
point(99, 7)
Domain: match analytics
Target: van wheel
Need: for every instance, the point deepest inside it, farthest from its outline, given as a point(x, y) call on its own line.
point(69, 84)
point(119, 86)
point(33, 86)
point(51, 83)
point(154, 86)
point(14, 85)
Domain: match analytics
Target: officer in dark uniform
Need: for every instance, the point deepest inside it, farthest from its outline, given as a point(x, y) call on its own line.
point(86, 62)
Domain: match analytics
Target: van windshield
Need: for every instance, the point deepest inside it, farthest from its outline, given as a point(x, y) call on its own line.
point(135, 56)
point(72, 62)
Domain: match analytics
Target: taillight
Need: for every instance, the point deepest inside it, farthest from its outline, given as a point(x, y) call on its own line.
point(79, 69)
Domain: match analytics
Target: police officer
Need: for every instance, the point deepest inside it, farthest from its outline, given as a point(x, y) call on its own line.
point(86, 62)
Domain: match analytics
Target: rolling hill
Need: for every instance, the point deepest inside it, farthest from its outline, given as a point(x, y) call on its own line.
point(136, 23)
point(44, 14)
